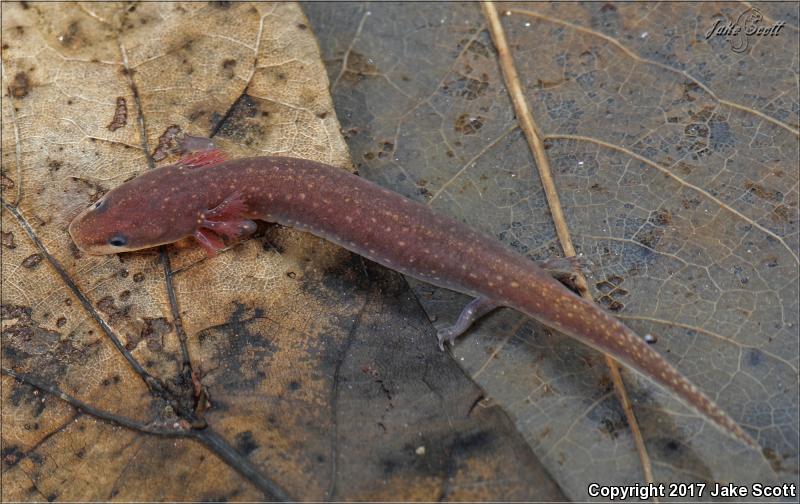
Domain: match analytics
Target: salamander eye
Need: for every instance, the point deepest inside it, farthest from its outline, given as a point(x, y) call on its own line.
point(117, 241)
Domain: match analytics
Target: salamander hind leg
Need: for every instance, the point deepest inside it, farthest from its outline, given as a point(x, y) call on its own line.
point(564, 269)
point(476, 309)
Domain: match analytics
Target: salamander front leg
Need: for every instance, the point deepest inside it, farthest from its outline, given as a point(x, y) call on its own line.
point(227, 221)
point(476, 309)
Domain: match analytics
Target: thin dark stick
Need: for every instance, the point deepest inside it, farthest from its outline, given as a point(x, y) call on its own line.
point(175, 431)
point(176, 315)
point(226, 452)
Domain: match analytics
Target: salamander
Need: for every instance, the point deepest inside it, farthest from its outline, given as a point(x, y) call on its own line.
point(217, 200)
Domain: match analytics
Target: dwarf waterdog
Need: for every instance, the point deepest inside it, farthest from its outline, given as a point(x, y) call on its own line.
point(208, 197)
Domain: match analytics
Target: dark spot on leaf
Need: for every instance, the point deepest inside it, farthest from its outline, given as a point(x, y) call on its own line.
point(540, 84)
point(20, 86)
point(780, 214)
point(228, 66)
point(61, 321)
point(754, 357)
point(154, 331)
point(236, 123)
point(770, 261)
point(467, 124)
point(609, 284)
point(472, 442)
point(301, 26)
point(703, 115)
point(466, 87)
point(359, 68)
point(245, 341)
point(761, 192)
point(696, 130)
point(70, 37)
point(138, 277)
point(649, 235)
point(690, 87)
point(478, 48)
point(107, 306)
point(739, 273)
point(690, 203)
point(389, 466)
point(166, 142)
point(120, 118)
point(672, 445)
point(245, 443)
point(8, 239)
point(32, 261)
point(11, 454)
point(661, 217)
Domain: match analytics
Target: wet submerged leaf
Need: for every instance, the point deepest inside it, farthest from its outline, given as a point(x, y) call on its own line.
point(675, 159)
point(282, 367)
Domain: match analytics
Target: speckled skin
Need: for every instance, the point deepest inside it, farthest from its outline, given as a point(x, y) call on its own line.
point(166, 204)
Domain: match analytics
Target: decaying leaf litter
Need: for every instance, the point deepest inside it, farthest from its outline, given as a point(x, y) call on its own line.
point(655, 151)
point(267, 379)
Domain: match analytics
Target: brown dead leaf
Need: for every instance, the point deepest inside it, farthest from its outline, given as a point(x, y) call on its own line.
point(675, 160)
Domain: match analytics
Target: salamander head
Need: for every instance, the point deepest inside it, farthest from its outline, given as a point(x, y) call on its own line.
point(136, 215)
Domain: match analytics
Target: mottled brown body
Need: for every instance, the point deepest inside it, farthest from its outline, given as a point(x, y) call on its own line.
point(167, 204)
